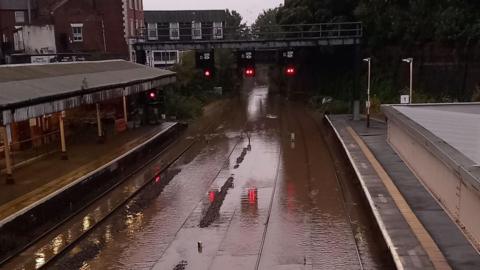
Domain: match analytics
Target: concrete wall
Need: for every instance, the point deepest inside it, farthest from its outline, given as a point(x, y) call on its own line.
point(39, 39)
point(457, 196)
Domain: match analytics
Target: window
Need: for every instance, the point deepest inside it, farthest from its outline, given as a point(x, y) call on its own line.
point(174, 31)
point(19, 16)
point(164, 58)
point(152, 31)
point(196, 30)
point(18, 41)
point(77, 31)
point(217, 30)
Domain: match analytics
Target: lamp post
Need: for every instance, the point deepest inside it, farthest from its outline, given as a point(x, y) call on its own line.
point(410, 61)
point(369, 61)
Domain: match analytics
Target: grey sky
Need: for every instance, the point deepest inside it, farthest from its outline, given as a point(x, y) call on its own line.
point(248, 8)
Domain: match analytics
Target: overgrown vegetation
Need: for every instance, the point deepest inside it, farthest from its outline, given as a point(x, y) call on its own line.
point(186, 98)
point(441, 35)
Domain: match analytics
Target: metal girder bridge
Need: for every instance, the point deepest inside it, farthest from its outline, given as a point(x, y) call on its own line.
point(271, 37)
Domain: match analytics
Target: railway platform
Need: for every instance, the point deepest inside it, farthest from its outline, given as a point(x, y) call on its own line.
point(42, 177)
point(418, 231)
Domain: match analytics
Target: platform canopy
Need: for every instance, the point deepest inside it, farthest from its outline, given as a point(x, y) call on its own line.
point(28, 91)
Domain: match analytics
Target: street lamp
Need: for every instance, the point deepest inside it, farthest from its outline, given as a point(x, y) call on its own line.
point(410, 61)
point(369, 61)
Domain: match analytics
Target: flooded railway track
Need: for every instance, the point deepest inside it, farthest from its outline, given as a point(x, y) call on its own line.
point(28, 257)
point(274, 203)
point(341, 184)
point(43, 251)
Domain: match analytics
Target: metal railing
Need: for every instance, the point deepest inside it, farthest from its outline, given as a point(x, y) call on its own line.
point(341, 30)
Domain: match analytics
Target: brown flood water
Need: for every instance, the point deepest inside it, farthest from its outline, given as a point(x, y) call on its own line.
point(286, 209)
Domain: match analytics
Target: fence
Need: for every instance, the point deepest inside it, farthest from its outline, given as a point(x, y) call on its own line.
point(270, 32)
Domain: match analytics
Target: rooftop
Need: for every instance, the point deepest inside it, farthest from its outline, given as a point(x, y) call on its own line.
point(167, 16)
point(14, 4)
point(28, 91)
point(450, 132)
point(456, 124)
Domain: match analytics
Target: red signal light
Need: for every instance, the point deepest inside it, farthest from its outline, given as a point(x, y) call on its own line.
point(152, 95)
point(207, 73)
point(290, 71)
point(250, 72)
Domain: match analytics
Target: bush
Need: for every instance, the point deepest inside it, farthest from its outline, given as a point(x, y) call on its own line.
point(182, 107)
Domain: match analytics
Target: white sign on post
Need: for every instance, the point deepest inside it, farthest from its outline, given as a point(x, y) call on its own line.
point(404, 99)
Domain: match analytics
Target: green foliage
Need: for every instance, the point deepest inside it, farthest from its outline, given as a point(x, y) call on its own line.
point(395, 29)
point(265, 23)
point(236, 28)
point(183, 107)
point(186, 97)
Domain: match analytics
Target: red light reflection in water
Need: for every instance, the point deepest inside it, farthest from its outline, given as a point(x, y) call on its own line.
point(211, 196)
point(291, 197)
point(252, 195)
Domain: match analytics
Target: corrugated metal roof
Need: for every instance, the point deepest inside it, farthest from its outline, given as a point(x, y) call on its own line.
point(66, 85)
point(166, 16)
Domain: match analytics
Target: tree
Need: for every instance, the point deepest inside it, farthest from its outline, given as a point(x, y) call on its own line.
point(266, 23)
point(235, 28)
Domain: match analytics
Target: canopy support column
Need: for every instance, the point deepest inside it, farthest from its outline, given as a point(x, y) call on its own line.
point(101, 136)
point(61, 118)
point(8, 160)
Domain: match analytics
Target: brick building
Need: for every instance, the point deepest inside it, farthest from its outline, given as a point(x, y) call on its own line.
point(13, 14)
point(98, 28)
point(181, 25)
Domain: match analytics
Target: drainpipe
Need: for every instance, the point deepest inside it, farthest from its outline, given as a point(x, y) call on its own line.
point(29, 8)
point(104, 39)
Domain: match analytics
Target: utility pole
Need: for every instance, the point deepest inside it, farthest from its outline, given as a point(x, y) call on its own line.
point(410, 61)
point(369, 61)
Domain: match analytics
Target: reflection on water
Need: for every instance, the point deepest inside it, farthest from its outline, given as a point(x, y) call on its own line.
point(306, 225)
point(57, 243)
point(249, 203)
point(39, 260)
point(86, 223)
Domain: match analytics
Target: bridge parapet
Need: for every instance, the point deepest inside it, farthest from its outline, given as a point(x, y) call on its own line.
point(273, 36)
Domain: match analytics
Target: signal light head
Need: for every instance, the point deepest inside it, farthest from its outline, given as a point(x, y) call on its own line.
point(250, 72)
point(290, 71)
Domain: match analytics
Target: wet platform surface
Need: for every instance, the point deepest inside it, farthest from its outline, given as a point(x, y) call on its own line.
point(43, 177)
point(284, 209)
point(456, 249)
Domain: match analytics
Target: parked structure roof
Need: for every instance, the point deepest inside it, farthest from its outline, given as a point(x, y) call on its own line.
point(28, 91)
point(457, 125)
point(167, 16)
point(451, 132)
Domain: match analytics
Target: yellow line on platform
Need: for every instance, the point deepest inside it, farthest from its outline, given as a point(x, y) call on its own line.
point(431, 248)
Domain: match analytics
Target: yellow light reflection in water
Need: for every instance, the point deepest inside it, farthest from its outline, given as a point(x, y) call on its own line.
point(39, 260)
point(108, 233)
point(57, 243)
point(86, 223)
point(134, 222)
point(85, 266)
